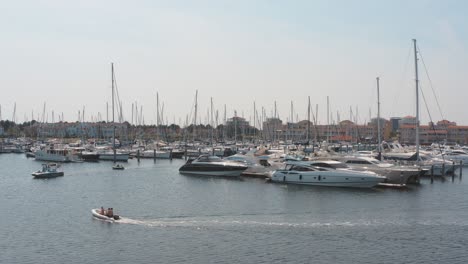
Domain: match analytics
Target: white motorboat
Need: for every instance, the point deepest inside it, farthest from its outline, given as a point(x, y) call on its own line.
point(97, 214)
point(213, 166)
point(296, 172)
point(48, 171)
point(457, 156)
point(118, 167)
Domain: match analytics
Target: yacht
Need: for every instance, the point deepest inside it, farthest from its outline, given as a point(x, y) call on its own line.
point(89, 156)
point(395, 174)
point(261, 167)
point(456, 155)
point(299, 172)
point(213, 166)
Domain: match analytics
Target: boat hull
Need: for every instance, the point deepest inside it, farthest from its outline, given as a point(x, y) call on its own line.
point(46, 175)
point(222, 173)
point(118, 157)
point(42, 156)
point(90, 156)
point(329, 179)
point(159, 154)
point(96, 214)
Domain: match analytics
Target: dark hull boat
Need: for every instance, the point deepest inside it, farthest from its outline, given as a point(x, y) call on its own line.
point(212, 166)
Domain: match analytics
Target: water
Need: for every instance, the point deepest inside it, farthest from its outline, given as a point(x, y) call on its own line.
point(171, 218)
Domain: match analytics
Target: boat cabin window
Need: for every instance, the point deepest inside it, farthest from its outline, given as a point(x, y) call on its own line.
point(358, 162)
point(301, 168)
point(209, 158)
point(322, 164)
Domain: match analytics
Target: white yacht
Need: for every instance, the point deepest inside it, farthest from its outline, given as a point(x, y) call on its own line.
point(394, 173)
point(306, 174)
point(261, 167)
point(456, 155)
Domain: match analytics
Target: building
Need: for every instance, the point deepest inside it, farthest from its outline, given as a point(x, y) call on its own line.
point(443, 131)
point(408, 120)
point(395, 124)
point(237, 126)
point(78, 129)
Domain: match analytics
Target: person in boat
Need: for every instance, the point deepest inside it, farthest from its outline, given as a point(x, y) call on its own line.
point(102, 212)
point(110, 212)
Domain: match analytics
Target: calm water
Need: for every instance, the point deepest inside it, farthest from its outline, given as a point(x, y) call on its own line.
point(171, 218)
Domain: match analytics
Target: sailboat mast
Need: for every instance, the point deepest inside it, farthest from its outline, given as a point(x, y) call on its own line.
point(255, 121)
point(157, 120)
point(308, 122)
point(224, 124)
point(378, 120)
point(328, 119)
point(235, 127)
point(211, 122)
point(195, 117)
point(417, 98)
point(113, 116)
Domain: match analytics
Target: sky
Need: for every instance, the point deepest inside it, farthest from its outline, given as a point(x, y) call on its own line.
point(234, 52)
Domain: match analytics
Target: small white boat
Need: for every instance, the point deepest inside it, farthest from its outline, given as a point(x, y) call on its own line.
point(97, 214)
point(118, 167)
point(48, 171)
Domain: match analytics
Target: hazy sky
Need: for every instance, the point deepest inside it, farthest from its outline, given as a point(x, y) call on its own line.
point(236, 52)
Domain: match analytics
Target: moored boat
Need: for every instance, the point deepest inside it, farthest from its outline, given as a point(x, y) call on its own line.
point(305, 174)
point(212, 166)
point(89, 155)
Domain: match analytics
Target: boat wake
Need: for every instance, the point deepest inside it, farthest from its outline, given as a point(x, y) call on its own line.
point(210, 222)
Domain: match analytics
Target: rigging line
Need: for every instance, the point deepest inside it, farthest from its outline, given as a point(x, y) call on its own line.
point(119, 103)
point(403, 77)
point(425, 102)
point(433, 92)
point(430, 118)
point(430, 82)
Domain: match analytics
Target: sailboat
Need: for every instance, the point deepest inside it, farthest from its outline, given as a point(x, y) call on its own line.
point(107, 155)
